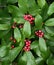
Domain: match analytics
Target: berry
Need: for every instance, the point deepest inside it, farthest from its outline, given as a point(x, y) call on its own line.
point(28, 50)
point(28, 44)
point(14, 40)
point(39, 33)
point(25, 48)
point(29, 41)
point(32, 19)
point(30, 16)
point(31, 22)
point(21, 26)
point(12, 46)
point(11, 38)
point(13, 26)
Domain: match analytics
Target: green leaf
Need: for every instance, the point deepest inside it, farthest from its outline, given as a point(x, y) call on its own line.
point(5, 20)
point(50, 60)
point(43, 48)
point(33, 8)
point(44, 12)
point(6, 63)
point(34, 45)
point(39, 61)
point(50, 22)
point(3, 2)
point(15, 11)
point(42, 45)
point(4, 13)
point(3, 33)
point(50, 30)
point(30, 59)
point(27, 59)
point(23, 5)
point(19, 20)
point(27, 29)
point(50, 43)
point(51, 9)
point(17, 34)
point(3, 51)
point(12, 1)
point(38, 22)
point(4, 26)
point(41, 3)
point(37, 51)
point(13, 53)
point(22, 60)
point(48, 36)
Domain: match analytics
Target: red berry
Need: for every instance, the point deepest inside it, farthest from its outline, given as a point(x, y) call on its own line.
point(12, 46)
point(32, 19)
point(31, 22)
point(11, 38)
point(40, 31)
point(20, 26)
point(25, 48)
point(13, 26)
point(28, 44)
point(30, 16)
point(14, 40)
point(36, 33)
point(29, 41)
point(28, 48)
point(40, 35)
point(25, 17)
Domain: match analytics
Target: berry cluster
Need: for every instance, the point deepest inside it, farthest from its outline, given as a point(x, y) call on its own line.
point(17, 25)
point(39, 33)
point(29, 18)
point(27, 46)
point(14, 40)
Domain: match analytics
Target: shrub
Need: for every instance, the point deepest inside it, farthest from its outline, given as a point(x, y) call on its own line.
point(26, 32)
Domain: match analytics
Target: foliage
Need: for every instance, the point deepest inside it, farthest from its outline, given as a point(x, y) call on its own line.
point(26, 32)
